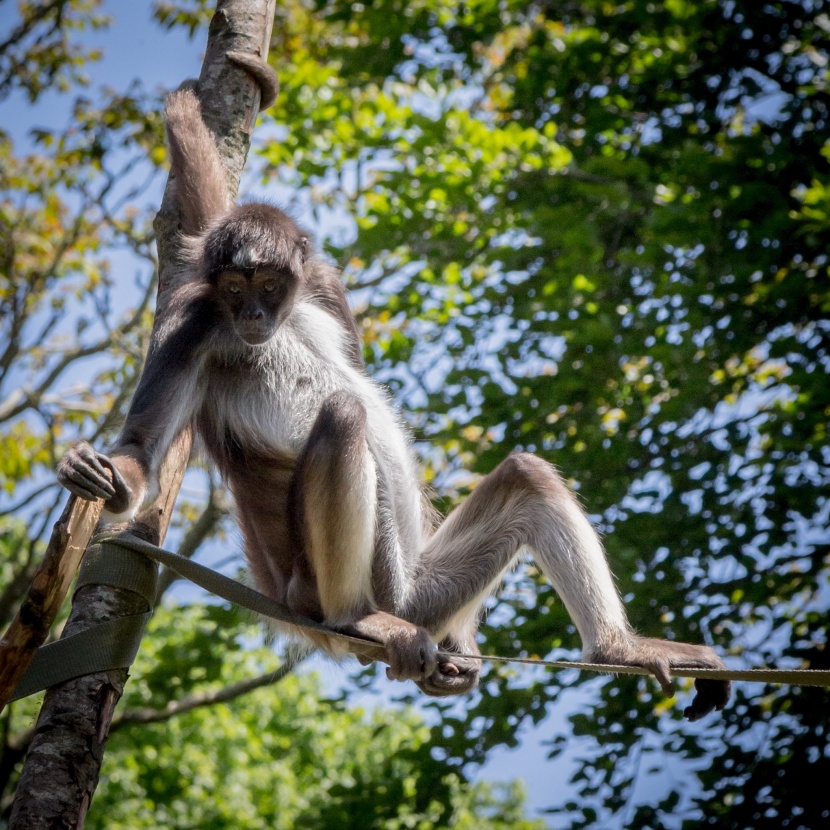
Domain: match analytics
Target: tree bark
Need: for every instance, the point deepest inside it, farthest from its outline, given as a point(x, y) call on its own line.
point(63, 764)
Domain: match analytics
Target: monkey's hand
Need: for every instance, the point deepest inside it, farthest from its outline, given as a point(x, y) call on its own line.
point(660, 657)
point(91, 475)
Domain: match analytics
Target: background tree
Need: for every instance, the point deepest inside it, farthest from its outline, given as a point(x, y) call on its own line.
point(600, 232)
point(596, 231)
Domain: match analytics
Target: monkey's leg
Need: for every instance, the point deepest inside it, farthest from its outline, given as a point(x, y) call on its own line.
point(524, 502)
point(335, 507)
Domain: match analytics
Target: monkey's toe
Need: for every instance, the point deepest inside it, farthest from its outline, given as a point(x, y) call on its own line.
point(410, 654)
point(661, 656)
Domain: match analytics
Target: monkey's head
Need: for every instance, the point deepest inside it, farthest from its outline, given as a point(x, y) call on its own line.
point(254, 259)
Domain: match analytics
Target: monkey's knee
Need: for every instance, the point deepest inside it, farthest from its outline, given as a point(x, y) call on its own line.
point(528, 471)
point(340, 424)
point(336, 452)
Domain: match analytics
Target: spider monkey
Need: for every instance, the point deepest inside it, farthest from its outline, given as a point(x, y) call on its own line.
point(261, 354)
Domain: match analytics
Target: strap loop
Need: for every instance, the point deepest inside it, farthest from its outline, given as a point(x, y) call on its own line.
point(108, 645)
point(108, 563)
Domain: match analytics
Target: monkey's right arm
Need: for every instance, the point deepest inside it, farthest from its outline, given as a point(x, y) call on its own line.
point(168, 394)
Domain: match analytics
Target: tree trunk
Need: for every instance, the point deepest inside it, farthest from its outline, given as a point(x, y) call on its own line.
point(63, 764)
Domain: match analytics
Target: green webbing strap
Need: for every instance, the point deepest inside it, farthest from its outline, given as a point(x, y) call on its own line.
point(120, 561)
point(237, 593)
point(125, 561)
point(108, 563)
point(108, 645)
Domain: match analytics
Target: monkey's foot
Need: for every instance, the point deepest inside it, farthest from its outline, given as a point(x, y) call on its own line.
point(453, 676)
point(410, 653)
point(660, 657)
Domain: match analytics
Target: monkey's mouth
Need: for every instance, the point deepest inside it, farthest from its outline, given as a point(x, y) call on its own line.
point(256, 335)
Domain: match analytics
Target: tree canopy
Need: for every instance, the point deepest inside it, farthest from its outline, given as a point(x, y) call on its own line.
point(595, 231)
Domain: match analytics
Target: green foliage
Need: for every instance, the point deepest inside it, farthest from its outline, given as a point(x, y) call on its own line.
point(45, 48)
point(599, 231)
point(281, 757)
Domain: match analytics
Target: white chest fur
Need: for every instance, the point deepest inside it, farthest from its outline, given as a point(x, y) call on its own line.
point(269, 396)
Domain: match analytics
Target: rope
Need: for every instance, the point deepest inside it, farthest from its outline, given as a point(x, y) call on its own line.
point(248, 598)
point(790, 677)
point(122, 561)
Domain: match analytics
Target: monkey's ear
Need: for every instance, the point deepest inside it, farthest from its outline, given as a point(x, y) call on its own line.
point(301, 253)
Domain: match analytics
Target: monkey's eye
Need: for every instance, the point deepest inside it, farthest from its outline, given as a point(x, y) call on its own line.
point(234, 288)
point(270, 286)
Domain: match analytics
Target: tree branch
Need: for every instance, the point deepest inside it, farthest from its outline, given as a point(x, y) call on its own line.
point(206, 698)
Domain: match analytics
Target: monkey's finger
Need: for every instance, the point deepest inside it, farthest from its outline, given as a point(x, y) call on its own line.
point(103, 468)
point(699, 708)
point(80, 490)
point(429, 659)
point(74, 471)
point(711, 695)
point(86, 487)
point(112, 474)
point(92, 459)
point(95, 478)
point(695, 711)
point(395, 669)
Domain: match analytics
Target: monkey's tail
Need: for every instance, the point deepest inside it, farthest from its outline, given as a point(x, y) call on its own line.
point(195, 165)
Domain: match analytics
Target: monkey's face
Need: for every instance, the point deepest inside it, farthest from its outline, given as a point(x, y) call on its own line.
point(256, 303)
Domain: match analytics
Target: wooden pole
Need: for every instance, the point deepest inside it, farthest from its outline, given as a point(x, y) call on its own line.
point(63, 764)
